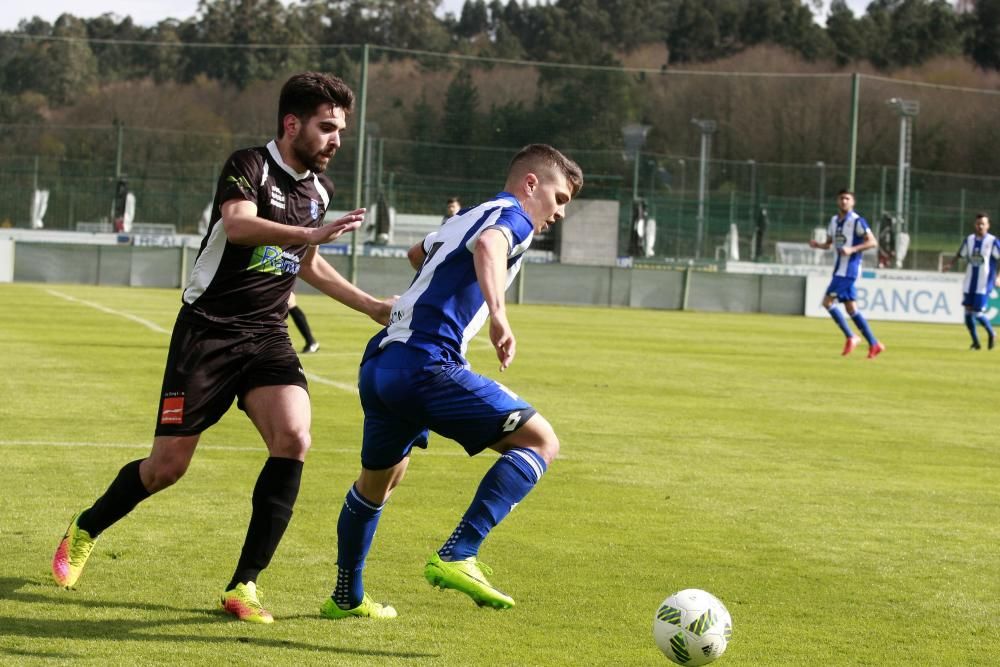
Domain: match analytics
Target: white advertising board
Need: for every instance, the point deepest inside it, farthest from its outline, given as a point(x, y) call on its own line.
point(930, 298)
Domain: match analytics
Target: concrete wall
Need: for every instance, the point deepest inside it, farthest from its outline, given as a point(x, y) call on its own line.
point(98, 264)
point(541, 283)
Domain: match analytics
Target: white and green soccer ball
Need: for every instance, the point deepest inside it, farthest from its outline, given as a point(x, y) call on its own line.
point(692, 627)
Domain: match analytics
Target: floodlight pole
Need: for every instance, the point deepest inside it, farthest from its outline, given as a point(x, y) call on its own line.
point(853, 158)
point(119, 133)
point(822, 189)
point(634, 136)
point(359, 164)
point(908, 110)
point(707, 129)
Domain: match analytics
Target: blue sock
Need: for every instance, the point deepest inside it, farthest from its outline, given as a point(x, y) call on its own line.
point(863, 327)
point(838, 317)
point(970, 323)
point(985, 321)
point(355, 531)
point(504, 486)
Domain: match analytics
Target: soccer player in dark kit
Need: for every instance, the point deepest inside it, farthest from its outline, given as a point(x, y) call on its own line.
point(230, 340)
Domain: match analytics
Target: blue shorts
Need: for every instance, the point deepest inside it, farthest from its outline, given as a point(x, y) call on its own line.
point(842, 289)
point(406, 391)
point(975, 302)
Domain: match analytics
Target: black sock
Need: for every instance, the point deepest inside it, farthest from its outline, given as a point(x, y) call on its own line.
point(302, 323)
point(273, 498)
point(125, 492)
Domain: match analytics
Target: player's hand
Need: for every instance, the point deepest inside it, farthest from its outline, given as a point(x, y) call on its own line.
point(503, 340)
point(337, 228)
point(384, 310)
point(846, 252)
point(813, 243)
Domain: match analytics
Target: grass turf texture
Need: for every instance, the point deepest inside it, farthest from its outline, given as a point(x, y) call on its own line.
point(846, 511)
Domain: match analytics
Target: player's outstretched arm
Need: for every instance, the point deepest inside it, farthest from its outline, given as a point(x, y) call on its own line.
point(317, 272)
point(334, 230)
point(244, 227)
point(490, 257)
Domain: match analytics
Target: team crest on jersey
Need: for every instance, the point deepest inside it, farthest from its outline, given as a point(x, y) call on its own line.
point(272, 259)
point(314, 208)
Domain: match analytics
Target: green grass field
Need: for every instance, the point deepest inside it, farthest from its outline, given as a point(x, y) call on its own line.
point(846, 511)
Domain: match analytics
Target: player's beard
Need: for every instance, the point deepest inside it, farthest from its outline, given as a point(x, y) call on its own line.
point(315, 162)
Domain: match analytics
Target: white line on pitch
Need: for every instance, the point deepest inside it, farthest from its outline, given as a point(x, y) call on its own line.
point(343, 386)
point(104, 309)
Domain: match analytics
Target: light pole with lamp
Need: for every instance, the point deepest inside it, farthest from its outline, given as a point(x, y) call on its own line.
point(822, 189)
point(634, 135)
point(907, 110)
point(707, 129)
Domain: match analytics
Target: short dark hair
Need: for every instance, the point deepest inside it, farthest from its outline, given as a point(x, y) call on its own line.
point(453, 200)
point(982, 214)
point(535, 154)
point(305, 92)
point(845, 191)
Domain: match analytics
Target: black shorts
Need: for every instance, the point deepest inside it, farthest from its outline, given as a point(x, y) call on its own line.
point(207, 368)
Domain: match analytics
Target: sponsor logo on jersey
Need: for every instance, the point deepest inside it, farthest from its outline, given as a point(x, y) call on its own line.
point(277, 197)
point(977, 260)
point(314, 208)
point(172, 411)
point(840, 240)
point(272, 259)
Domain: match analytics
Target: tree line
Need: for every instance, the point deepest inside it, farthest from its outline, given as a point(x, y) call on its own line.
point(216, 73)
point(892, 34)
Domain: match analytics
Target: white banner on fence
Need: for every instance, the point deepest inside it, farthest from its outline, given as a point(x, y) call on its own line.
point(882, 298)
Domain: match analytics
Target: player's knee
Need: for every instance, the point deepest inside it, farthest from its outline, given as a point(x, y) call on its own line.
point(161, 474)
point(539, 436)
point(549, 449)
point(291, 443)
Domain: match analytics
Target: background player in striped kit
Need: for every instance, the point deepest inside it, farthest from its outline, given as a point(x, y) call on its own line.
point(850, 235)
point(981, 252)
point(414, 378)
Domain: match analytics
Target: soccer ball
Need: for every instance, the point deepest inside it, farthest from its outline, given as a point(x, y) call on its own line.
point(692, 627)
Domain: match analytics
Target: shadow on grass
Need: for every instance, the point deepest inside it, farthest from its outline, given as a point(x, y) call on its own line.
point(123, 629)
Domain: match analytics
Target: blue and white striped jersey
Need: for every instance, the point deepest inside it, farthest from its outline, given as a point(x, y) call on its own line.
point(981, 270)
point(444, 306)
point(847, 233)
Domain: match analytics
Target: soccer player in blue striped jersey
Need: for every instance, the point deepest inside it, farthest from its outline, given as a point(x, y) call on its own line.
point(981, 251)
point(415, 378)
point(850, 235)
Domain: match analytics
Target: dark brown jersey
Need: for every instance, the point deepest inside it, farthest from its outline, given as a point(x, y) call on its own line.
point(238, 286)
